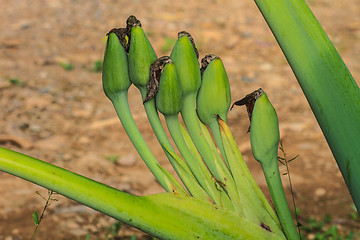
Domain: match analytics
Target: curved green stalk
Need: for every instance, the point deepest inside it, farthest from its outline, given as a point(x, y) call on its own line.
point(166, 216)
point(219, 194)
point(196, 164)
point(155, 122)
point(188, 178)
point(331, 91)
point(191, 121)
point(160, 134)
point(116, 82)
point(260, 208)
point(173, 124)
point(121, 106)
point(210, 156)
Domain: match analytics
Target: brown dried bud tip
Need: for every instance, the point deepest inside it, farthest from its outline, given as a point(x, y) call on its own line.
point(132, 21)
point(121, 34)
point(206, 61)
point(154, 79)
point(249, 101)
point(184, 33)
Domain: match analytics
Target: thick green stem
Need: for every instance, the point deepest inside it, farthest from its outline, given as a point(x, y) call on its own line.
point(274, 183)
point(167, 216)
point(328, 85)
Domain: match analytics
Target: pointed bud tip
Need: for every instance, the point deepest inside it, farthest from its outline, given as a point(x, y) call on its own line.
point(121, 34)
point(155, 71)
point(183, 35)
point(132, 21)
point(214, 95)
point(206, 61)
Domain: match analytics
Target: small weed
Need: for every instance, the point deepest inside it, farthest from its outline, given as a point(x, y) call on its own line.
point(97, 66)
point(66, 65)
point(112, 158)
point(111, 232)
point(323, 230)
point(284, 161)
point(16, 82)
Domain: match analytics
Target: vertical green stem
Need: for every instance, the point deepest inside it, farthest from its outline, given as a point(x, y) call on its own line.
point(274, 183)
point(210, 156)
point(160, 134)
point(189, 116)
point(328, 85)
point(122, 109)
point(173, 124)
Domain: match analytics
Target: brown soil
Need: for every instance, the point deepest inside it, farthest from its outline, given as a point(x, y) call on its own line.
point(63, 117)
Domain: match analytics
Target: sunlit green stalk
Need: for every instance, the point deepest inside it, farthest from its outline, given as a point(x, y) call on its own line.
point(122, 109)
point(249, 191)
point(221, 197)
point(196, 165)
point(166, 216)
point(210, 155)
point(189, 116)
point(331, 91)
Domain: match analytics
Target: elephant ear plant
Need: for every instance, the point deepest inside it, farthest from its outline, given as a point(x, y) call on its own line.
point(216, 196)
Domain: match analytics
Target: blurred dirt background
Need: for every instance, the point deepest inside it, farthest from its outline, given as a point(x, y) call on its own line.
point(53, 108)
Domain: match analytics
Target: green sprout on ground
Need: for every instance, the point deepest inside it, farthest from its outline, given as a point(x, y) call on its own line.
point(324, 229)
point(97, 67)
point(112, 158)
point(66, 66)
point(16, 82)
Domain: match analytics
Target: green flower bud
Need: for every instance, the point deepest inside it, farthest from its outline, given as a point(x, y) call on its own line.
point(214, 94)
point(141, 55)
point(264, 131)
point(169, 95)
point(185, 57)
point(115, 75)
